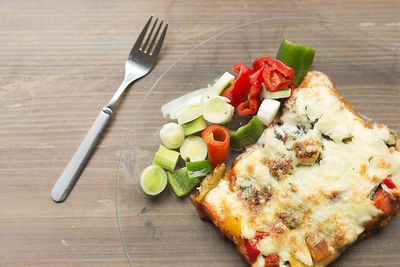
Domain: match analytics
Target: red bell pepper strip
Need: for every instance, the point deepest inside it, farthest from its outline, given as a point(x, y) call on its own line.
point(272, 260)
point(259, 63)
point(244, 109)
point(252, 251)
point(256, 79)
point(217, 139)
point(240, 86)
point(251, 106)
point(276, 75)
point(389, 183)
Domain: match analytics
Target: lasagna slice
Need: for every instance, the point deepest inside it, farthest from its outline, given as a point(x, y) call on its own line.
point(318, 179)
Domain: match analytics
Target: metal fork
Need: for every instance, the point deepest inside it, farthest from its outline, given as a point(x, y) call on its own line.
point(141, 60)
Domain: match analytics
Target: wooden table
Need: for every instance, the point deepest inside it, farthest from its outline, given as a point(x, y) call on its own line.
point(60, 63)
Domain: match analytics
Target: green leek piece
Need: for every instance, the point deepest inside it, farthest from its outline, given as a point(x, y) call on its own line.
point(180, 182)
point(247, 134)
point(198, 169)
point(153, 180)
point(298, 57)
point(284, 93)
point(190, 114)
point(166, 158)
point(195, 126)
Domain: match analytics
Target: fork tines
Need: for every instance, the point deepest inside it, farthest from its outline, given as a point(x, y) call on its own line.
point(145, 47)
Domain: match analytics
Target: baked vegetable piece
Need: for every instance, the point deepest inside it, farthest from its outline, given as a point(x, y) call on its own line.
point(318, 179)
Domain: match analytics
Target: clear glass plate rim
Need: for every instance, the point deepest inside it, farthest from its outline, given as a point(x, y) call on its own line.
point(389, 45)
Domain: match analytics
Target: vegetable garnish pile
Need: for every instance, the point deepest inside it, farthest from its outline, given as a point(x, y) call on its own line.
point(201, 136)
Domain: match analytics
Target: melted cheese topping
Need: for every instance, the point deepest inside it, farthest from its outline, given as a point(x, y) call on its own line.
point(309, 176)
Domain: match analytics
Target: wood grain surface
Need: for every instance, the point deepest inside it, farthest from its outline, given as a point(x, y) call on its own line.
point(60, 62)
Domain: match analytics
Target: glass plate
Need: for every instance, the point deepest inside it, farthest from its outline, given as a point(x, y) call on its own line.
point(165, 230)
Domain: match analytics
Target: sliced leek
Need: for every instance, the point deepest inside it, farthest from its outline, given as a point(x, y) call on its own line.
point(218, 110)
point(172, 135)
point(191, 102)
point(220, 85)
point(195, 126)
point(153, 180)
point(179, 104)
point(166, 158)
point(284, 93)
point(190, 114)
point(193, 149)
point(268, 110)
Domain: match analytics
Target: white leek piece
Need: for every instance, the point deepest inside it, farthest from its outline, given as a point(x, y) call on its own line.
point(284, 93)
point(268, 110)
point(172, 135)
point(191, 102)
point(153, 180)
point(220, 85)
point(193, 149)
point(177, 105)
point(218, 110)
point(190, 114)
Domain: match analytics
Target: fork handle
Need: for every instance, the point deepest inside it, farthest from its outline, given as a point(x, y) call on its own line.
point(78, 161)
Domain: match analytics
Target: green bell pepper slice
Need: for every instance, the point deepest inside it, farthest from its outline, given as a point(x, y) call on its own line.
point(180, 182)
point(247, 134)
point(298, 57)
point(198, 169)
